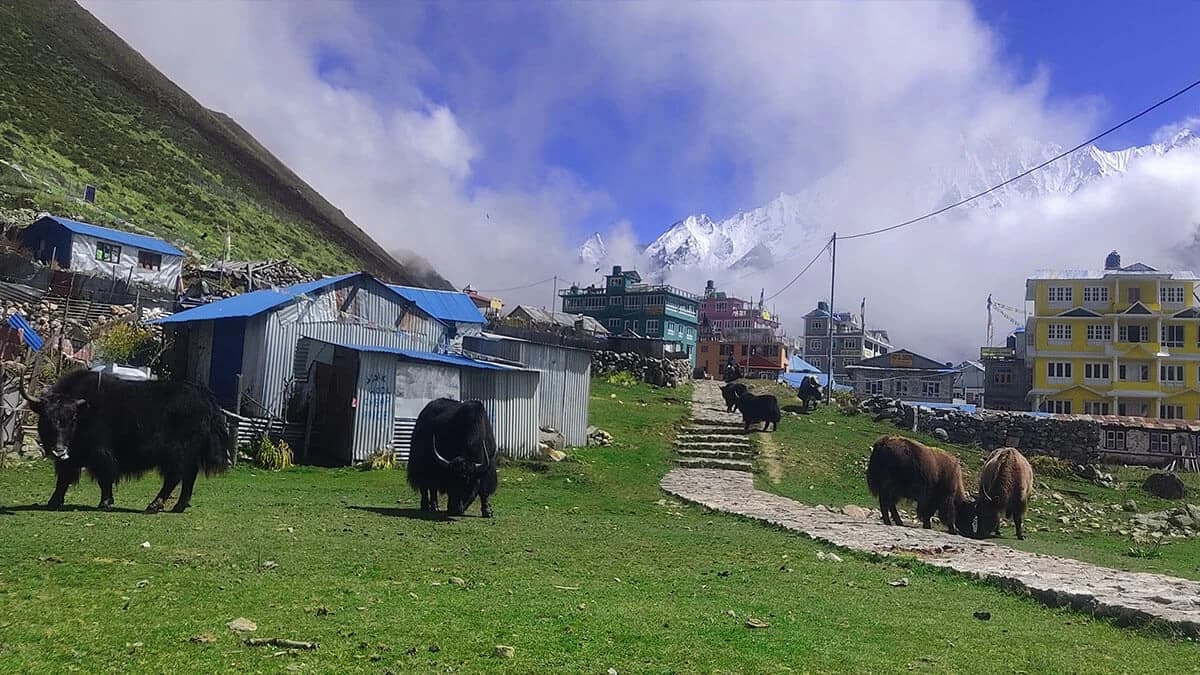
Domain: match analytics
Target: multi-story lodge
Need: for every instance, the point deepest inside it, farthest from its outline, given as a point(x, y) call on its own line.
point(1124, 341)
point(1007, 374)
point(852, 342)
point(732, 327)
point(626, 306)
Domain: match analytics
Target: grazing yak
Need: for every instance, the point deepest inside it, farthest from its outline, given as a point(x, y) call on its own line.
point(731, 393)
point(1005, 483)
point(453, 452)
point(901, 468)
point(755, 409)
point(119, 429)
point(809, 392)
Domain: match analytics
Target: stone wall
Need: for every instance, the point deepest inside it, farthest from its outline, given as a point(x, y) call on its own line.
point(1072, 440)
point(660, 372)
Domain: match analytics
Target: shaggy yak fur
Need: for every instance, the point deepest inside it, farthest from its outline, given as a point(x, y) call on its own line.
point(1005, 483)
point(731, 392)
point(119, 429)
point(755, 409)
point(901, 468)
point(809, 392)
point(453, 452)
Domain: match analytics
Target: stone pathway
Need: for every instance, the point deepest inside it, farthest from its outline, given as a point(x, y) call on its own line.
point(1129, 597)
point(716, 439)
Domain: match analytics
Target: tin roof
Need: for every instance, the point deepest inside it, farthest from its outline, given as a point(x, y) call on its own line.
point(1137, 269)
point(425, 357)
point(442, 305)
point(1125, 422)
point(119, 236)
point(251, 304)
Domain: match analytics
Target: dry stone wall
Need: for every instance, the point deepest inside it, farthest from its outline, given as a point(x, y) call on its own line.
point(659, 372)
point(1071, 440)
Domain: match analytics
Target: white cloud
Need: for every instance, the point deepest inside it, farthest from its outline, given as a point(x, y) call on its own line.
point(870, 109)
point(1168, 132)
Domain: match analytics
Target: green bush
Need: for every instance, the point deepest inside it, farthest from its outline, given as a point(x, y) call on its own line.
point(379, 460)
point(125, 343)
point(1045, 465)
point(270, 455)
point(622, 379)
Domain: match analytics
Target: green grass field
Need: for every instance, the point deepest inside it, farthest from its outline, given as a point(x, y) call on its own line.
point(821, 458)
point(586, 567)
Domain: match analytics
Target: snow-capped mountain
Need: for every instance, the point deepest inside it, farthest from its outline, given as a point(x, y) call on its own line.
point(759, 237)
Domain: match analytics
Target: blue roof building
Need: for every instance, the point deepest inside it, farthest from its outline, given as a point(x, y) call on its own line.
point(102, 251)
point(452, 308)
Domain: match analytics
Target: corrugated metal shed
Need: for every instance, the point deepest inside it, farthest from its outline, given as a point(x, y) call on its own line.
point(564, 387)
point(251, 304)
point(511, 399)
point(119, 236)
point(442, 305)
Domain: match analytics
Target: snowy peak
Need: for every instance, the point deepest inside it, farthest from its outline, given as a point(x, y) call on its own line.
point(593, 251)
point(759, 237)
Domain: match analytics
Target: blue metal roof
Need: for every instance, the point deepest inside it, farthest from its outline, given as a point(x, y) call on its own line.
point(250, 304)
point(442, 305)
point(108, 234)
point(426, 357)
point(28, 334)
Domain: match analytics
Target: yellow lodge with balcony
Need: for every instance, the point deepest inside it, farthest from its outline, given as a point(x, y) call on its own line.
point(1117, 341)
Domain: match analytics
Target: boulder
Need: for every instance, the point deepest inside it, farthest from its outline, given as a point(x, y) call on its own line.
point(1165, 486)
point(941, 434)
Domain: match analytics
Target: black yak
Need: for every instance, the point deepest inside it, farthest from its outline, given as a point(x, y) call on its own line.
point(731, 393)
point(453, 452)
point(901, 468)
point(1005, 483)
point(119, 429)
point(809, 392)
point(763, 409)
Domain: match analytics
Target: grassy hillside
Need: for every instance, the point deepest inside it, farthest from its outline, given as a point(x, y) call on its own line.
point(586, 567)
point(821, 458)
point(78, 105)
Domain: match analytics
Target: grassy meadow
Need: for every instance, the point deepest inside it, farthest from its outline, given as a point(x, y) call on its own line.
point(821, 458)
point(586, 567)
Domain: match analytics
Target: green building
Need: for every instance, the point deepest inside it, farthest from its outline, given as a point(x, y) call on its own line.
point(630, 308)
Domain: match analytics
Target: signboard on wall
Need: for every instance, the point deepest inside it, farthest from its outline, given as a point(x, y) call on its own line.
point(901, 360)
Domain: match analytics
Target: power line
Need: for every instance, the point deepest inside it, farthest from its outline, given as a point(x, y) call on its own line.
point(797, 277)
point(1023, 174)
point(519, 288)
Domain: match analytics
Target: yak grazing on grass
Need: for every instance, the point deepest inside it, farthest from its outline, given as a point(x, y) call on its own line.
point(809, 392)
point(901, 468)
point(1005, 483)
point(453, 452)
point(119, 429)
point(763, 409)
point(731, 393)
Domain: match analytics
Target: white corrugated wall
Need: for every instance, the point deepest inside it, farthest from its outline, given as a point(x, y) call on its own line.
point(511, 399)
point(374, 417)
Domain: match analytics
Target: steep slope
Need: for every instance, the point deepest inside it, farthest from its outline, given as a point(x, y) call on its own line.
point(79, 106)
point(759, 237)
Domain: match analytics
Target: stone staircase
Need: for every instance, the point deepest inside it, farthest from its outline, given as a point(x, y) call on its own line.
point(715, 439)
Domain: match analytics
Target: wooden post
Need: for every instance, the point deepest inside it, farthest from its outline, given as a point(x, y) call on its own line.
point(832, 278)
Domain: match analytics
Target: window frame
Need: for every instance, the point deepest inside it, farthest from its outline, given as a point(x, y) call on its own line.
point(108, 252)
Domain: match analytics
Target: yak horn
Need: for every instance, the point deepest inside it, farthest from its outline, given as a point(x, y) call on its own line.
point(25, 395)
point(436, 454)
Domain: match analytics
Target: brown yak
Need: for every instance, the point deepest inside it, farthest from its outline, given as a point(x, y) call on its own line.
point(901, 468)
point(1005, 482)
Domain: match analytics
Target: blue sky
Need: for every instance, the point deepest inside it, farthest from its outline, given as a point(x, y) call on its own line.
point(1105, 53)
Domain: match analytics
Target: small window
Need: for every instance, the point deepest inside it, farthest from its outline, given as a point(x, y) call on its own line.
point(1095, 294)
point(149, 261)
point(1002, 377)
point(1172, 336)
point(1171, 295)
point(902, 387)
point(1057, 407)
point(1171, 374)
point(703, 349)
point(652, 326)
point(1058, 332)
point(1098, 332)
point(109, 253)
point(1160, 442)
point(1096, 371)
point(1135, 295)
point(614, 324)
point(1058, 370)
point(875, 388)
point(1114, 440)
point(1060, 295)
point(1170, 412)
point(1095, 407)
point(931, 388)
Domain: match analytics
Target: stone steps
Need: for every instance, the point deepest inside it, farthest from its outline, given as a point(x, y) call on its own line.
point(710, 445)
point(714, 438)
point(728, 464)
point(714, 429)
point(689, 453)
point(710, 422)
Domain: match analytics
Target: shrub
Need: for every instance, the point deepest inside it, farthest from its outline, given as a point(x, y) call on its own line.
point(270, 455)
point(1045, 465)
point(379, 460)
point(846, 402)
point(123, 343)
point(622, 379)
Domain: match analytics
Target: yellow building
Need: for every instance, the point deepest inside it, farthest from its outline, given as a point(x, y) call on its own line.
point(1122, 341)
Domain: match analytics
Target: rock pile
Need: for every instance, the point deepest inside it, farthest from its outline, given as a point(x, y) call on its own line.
point(598, 436)
point(1068, 439)
point(1093, 474)
point(659, 372)
point(258, 274)
point(1183, 520)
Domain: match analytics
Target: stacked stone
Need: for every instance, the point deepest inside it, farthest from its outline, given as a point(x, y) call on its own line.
point(659, 372)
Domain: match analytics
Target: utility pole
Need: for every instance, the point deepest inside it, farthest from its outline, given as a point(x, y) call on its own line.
point(554, 300)
point(832, 278)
